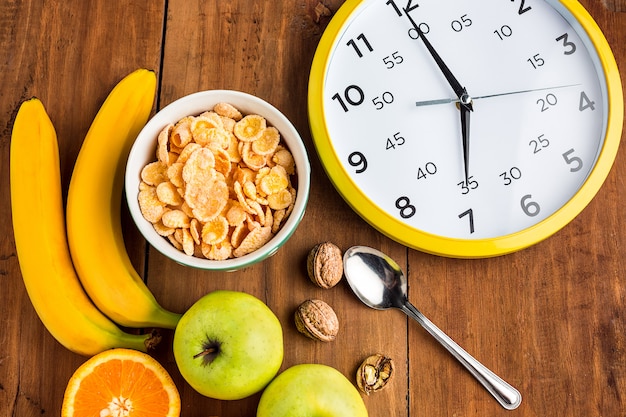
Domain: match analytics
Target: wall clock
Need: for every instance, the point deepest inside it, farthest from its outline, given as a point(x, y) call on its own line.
point(465, 129)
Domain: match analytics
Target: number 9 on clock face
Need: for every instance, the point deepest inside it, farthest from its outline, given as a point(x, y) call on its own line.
point(465, 129)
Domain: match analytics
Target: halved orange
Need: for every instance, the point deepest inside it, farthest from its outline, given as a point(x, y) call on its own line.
point(121, 383)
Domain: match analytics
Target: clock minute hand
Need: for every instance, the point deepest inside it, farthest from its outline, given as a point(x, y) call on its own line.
point(464, 98)
point(465, 133)
point(458, 89)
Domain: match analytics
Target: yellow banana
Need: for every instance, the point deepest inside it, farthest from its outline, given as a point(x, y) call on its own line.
point(94, 208)
point(40, 239)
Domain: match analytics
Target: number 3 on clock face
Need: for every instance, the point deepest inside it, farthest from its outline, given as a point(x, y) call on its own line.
point(465, 129)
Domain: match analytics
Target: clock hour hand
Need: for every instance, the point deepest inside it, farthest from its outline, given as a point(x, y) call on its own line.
point(436, 101)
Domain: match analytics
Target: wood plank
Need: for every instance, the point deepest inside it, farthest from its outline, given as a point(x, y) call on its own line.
point(547, 319)
point(249, 46)
point(69, 54)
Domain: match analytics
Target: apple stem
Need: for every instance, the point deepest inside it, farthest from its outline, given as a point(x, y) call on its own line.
point(205, 352)
point(211, 349)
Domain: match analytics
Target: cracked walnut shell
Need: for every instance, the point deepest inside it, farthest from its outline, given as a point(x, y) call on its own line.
point(317, 320)
point(325, 265)
point(374, 373)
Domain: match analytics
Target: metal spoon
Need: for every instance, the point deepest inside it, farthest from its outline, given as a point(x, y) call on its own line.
point(379, 282)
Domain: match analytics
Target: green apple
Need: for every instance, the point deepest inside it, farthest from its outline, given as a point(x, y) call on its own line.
point(228, 345)
point(311, 390)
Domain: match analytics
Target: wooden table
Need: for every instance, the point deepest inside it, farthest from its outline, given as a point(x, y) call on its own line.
point(549, 319)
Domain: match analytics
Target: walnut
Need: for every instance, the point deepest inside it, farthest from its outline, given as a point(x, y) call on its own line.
point(374, 373)
point(317, 320)
point(325, 265)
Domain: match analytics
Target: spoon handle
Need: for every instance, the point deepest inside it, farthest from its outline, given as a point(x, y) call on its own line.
point(507, 396)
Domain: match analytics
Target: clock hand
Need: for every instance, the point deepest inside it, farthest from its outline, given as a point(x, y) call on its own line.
point(464, 98)
point(436, 102)
point(458, 89)
point(456, 100)
point(465, 133)
point(526, 91)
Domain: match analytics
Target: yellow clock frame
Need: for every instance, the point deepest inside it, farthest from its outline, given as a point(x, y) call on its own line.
point(454, 247)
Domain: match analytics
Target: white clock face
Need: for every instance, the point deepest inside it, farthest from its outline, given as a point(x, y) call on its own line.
point(535, 130)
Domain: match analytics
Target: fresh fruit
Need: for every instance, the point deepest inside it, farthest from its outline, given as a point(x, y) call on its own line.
point(94, 208)
point(122, 383)
point(41, 242)
point(228, 345)
point(311, 390)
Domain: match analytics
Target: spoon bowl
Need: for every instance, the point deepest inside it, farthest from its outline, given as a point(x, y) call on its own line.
point(378, 281)
point(375, 278)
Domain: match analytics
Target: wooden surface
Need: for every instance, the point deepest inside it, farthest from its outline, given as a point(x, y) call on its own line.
point(549, 319)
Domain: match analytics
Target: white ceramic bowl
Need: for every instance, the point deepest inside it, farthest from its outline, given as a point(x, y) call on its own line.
point(144, 152)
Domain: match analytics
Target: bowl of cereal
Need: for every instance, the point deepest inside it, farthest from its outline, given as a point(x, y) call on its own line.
point(218, 180)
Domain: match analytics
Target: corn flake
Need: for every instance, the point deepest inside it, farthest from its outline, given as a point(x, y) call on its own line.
point(151, 207)
point(181, 133)
point(238, 234)
point(269, 217)
point(154, 173)
point(229, 124)
point(233, 148)
point(244, 174)
point(175, 174)
point(163, 140)
point(249, 189)
point(275, 181)
point(222, 161)
point(250, 128)
point(227, 110)
point(280, 200)
point(279, 216)
point(251, 222)
point(253, 241)
point(162, 230)
point(172, 238)
point(285, 159)
point(186, 209)
point(175, 219)
point(195, 228)
point(168, 194)
point(199, 166)
point(267, 143)
point(253, 160)
point(207, 120)
point(207, 198)
point(217, 252)
point(236, 214)
point(214, 137)
point(187, 242)
point(215, 231)
point(186, 152)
